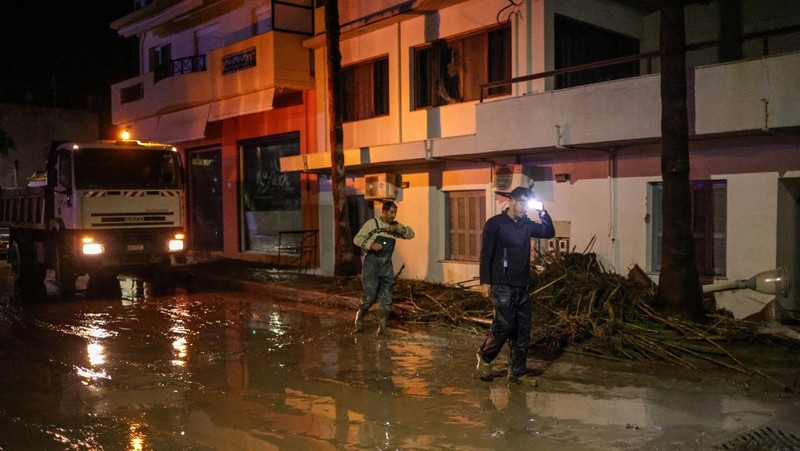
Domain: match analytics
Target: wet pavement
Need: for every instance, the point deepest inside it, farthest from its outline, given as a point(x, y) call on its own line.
point(254, 369)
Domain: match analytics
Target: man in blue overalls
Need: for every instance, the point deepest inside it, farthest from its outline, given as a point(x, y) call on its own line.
point(377, 238)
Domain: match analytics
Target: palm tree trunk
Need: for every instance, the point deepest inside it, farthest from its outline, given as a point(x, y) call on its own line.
point(679, 291)
point(345, 263)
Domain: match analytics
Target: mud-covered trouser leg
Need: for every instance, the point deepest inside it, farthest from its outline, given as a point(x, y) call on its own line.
point(359, 322)
point(385, 287)
point(385, 296)
point(502, 325)
point(370, 281)
point(521, 341)
point(512, 324)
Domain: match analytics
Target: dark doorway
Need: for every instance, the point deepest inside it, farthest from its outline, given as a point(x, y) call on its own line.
point(205, 199)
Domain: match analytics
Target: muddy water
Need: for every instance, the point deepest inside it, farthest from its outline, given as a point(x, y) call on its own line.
point(236, 371)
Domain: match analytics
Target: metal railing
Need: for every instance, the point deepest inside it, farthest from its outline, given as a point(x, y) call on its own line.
point(298, 248)
point(190, 64)
point(647, 56)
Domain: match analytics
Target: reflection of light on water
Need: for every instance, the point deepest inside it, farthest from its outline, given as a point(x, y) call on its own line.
point(89, 373)
point(96, 353)
point(276, 324)
point(137, 438)
point(95, 350)
point(261, 318)
point(131, 289)
point(179, 331)
point(181, 351)
point(407, 359)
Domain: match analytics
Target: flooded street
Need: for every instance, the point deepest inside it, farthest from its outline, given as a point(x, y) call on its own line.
point(243, 371)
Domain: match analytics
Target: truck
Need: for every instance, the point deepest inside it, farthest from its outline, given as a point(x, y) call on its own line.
point(99, 209)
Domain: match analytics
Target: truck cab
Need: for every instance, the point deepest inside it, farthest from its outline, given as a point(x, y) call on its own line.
point(102, 208)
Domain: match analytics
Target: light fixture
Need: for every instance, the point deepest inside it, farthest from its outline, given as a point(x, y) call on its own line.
point(775, 281)
point(534, 204)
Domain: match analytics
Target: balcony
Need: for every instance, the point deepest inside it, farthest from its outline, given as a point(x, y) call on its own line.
point(755, 95)
point(237, 79)
point(731, 98)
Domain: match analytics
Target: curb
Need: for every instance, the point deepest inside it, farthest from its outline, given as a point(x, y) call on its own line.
point(296, 294)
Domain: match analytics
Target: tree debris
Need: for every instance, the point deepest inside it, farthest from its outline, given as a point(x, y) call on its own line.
point(578, 304)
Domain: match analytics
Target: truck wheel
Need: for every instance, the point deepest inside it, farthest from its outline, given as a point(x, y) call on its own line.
point(15, 260)
point(28, 277)
point(65, 277)
point(21, 263)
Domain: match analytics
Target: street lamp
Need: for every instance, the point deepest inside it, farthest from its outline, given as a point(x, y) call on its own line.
point(774, 281)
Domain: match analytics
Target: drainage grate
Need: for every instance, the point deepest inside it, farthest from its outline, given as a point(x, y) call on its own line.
point(763, 440)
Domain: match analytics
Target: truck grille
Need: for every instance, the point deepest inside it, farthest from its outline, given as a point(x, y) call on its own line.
point(133, 219)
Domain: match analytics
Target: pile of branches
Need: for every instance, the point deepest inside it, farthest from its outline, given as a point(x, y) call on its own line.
point(577, 303)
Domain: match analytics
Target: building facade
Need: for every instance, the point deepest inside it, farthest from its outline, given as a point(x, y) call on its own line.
point(448, 101)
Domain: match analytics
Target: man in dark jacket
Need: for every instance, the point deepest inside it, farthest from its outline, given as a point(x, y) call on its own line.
point(505, 266)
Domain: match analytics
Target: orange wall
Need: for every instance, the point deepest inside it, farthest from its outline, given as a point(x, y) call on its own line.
point(299, 118)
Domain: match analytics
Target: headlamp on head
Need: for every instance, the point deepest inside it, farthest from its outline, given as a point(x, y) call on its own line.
point(534, 204)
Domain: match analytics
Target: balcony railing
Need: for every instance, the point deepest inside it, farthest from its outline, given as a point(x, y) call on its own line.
point(239, 61)
point(188, 65)
point(647, 57)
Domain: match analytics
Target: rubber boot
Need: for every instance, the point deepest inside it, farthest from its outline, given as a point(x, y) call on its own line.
point(524, 381)
point(360, 320)
point(484, 369)
point(382, 316)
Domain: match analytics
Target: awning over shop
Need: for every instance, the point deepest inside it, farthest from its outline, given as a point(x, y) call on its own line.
point(183, 125)
point(255, 102)
point(144, 130)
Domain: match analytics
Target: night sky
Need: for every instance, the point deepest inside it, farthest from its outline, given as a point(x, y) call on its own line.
point(69, 45)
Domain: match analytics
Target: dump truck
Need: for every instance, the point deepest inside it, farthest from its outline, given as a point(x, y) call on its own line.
point(98, 209)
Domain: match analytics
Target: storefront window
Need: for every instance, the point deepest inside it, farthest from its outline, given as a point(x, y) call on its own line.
point(269, 198)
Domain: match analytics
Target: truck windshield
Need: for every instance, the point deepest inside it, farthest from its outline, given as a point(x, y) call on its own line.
point(126, 169)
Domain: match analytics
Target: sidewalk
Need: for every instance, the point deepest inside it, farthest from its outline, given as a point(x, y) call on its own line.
point(259, 278)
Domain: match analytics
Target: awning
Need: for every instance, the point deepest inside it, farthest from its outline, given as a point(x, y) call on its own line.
point(144, 130)
point(255, 102)
point(183, 125)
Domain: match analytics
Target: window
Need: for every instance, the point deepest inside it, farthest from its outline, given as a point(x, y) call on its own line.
point(366, 90)
point(126, 169)
point(453, 70)
point(160, 56)
point(269, 199)
point(709, 225)
point(466, 213)
point(64, 169)
point(578, 43)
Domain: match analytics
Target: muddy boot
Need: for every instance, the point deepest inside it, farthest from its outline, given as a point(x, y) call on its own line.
point(484, 369)
point(523, 381)
point(382, 331)
point(360, 320)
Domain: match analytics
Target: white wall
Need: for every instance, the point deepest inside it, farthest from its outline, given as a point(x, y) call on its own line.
point(612, 212)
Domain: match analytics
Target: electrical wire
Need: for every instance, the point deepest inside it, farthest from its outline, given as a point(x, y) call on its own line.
point(512, 4)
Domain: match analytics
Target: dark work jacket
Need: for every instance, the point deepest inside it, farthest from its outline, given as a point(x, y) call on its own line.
point(506, 248)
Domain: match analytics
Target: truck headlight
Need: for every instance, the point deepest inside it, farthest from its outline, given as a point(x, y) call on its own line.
point(89, 247)
point(177, 243)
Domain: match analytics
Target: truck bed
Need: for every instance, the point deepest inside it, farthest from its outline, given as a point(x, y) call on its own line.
point(23, 207)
